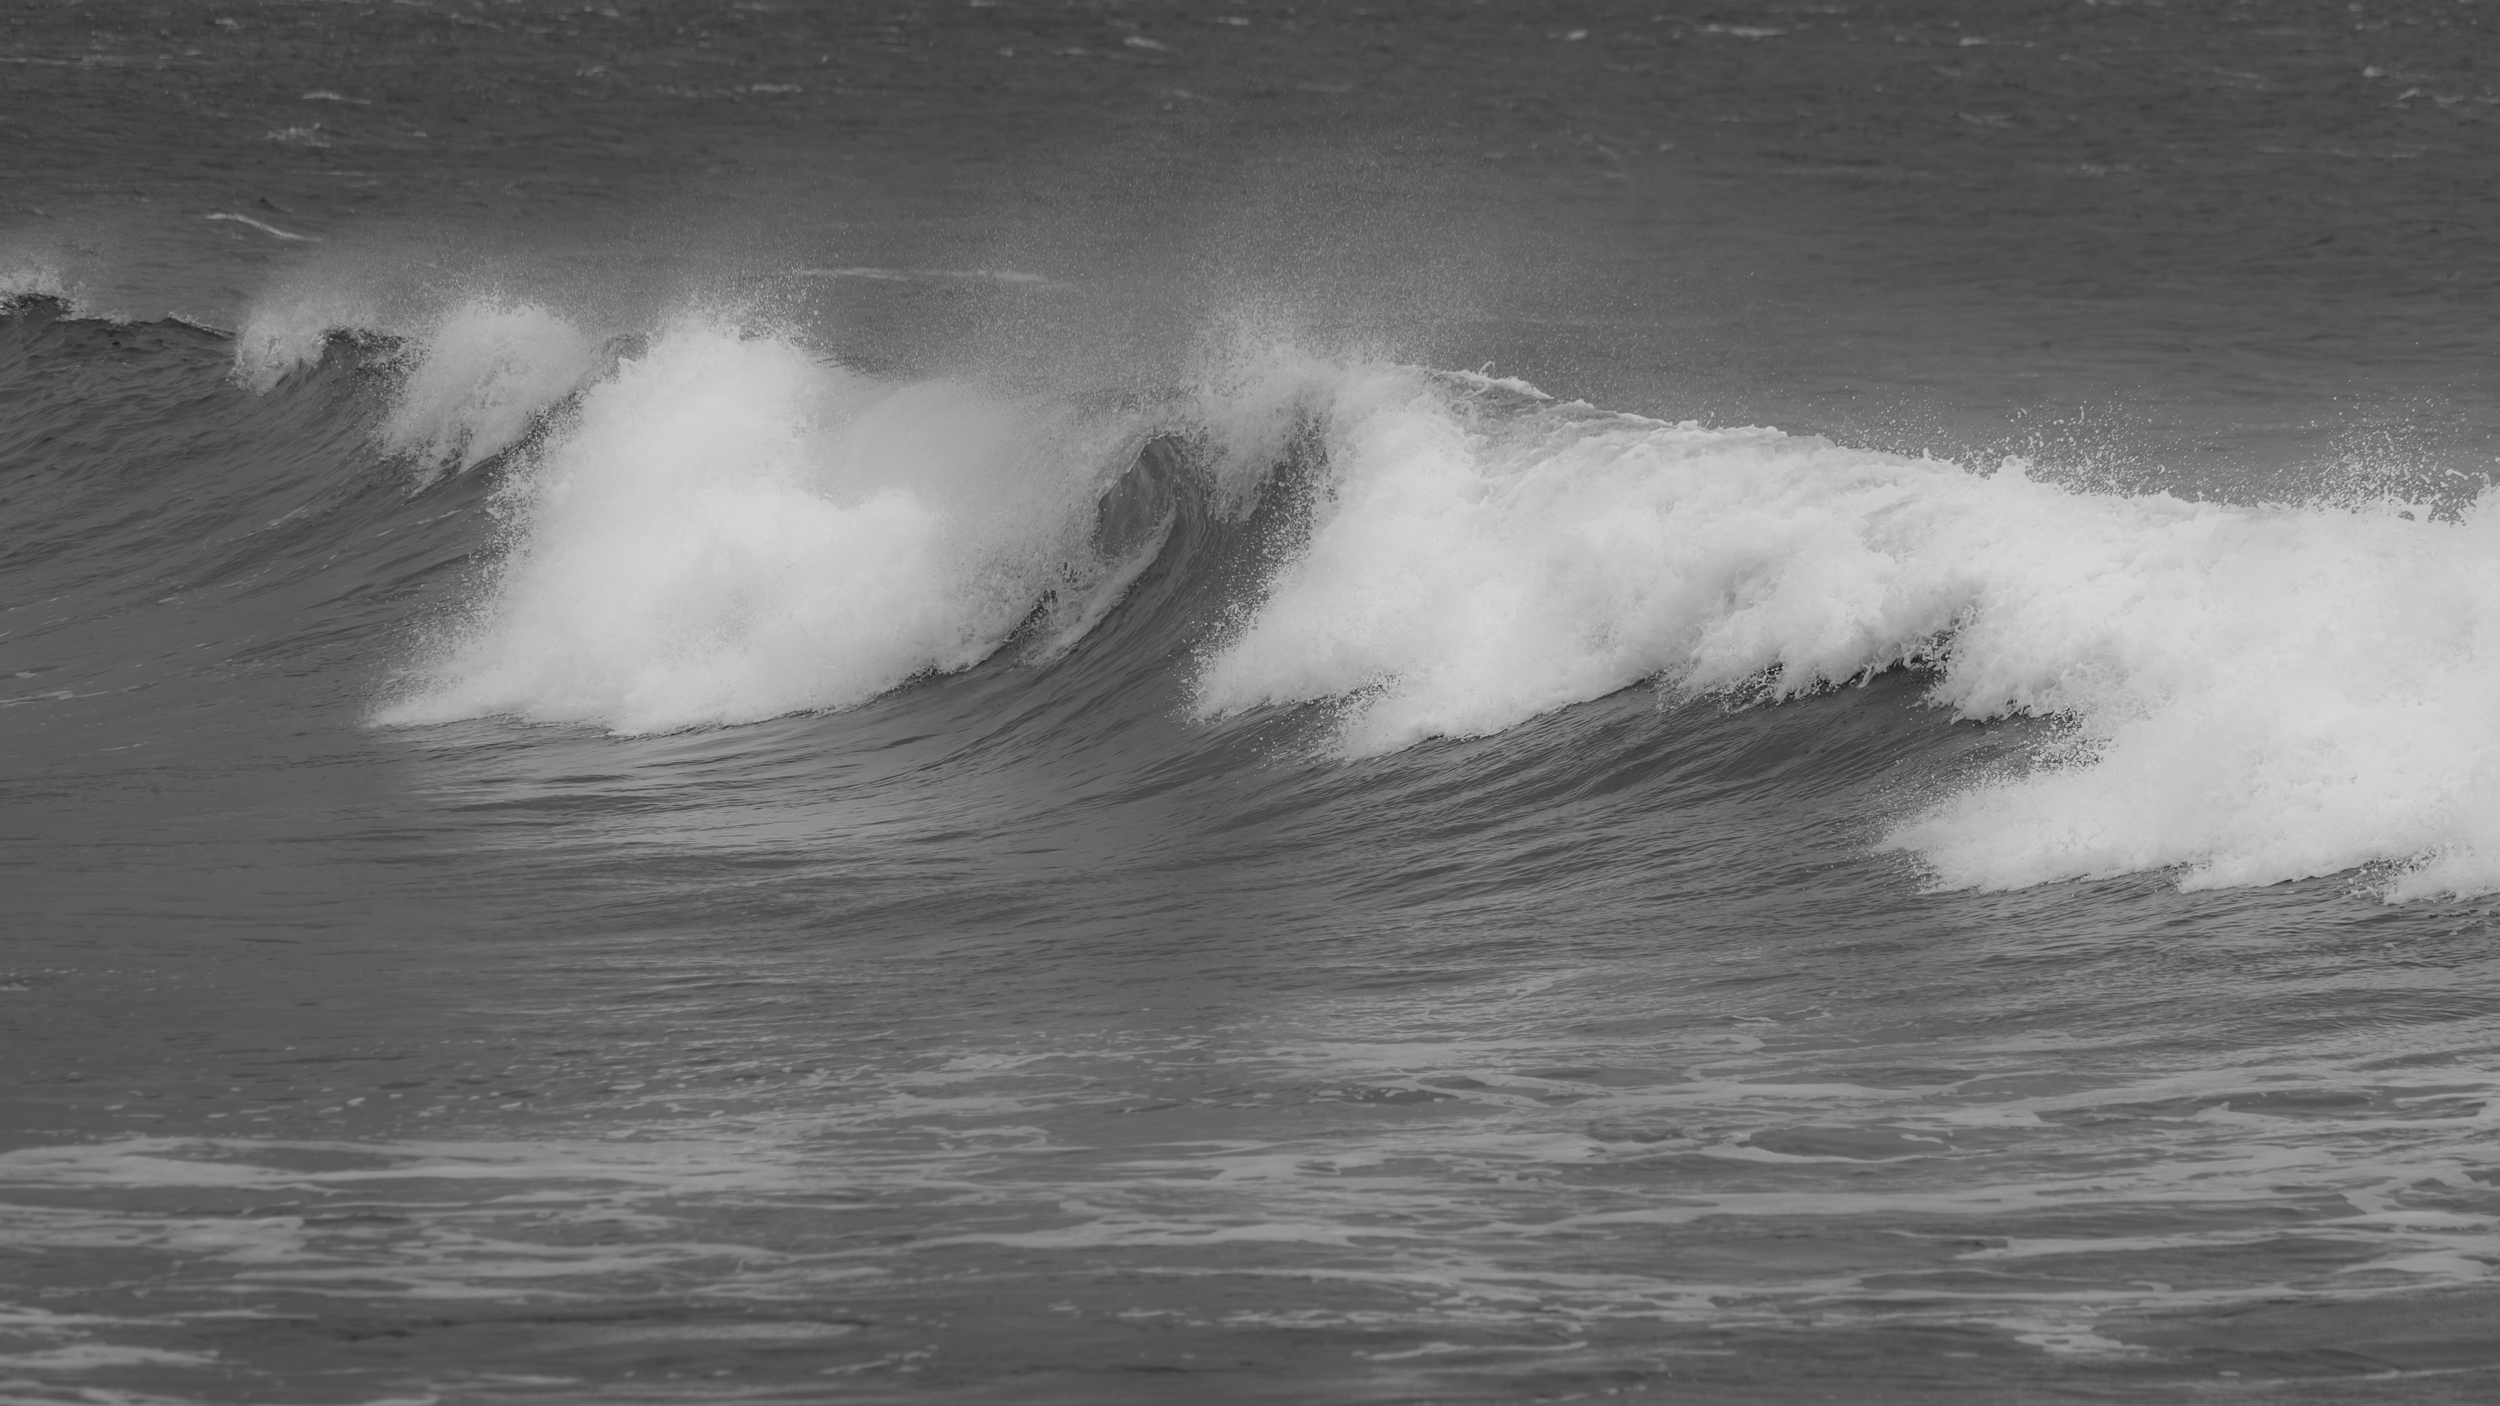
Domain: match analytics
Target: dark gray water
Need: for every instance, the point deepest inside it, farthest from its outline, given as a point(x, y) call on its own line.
point(1107, 703)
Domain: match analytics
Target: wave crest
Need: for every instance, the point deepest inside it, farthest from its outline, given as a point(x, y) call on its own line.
point(730, 529)
point(720, 528)
point(2253, 694)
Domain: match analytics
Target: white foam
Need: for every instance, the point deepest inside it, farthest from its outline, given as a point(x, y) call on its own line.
point(263, 225)
point(480, 377)
point(2257, 694)
point(475, 377)
point(286, 333)
point(31, 278)
point(731, 529)
point(725, 528)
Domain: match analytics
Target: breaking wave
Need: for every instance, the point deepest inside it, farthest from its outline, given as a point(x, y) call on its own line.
point(708, 524)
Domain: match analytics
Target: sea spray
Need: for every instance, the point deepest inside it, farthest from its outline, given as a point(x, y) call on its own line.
point(481, 379)
point(731, 529)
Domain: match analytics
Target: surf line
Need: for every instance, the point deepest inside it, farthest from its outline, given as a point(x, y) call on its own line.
point(264, 227)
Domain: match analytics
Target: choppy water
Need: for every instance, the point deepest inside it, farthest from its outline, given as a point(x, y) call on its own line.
point(746, 704)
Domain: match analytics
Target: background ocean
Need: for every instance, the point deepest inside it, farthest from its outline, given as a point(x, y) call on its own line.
point(1124, 703)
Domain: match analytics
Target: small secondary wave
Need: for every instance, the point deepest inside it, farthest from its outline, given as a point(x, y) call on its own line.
point(473, 379)
point(26, 282)
point(264, 227)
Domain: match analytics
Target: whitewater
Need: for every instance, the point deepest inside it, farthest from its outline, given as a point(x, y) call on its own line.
point(722, 526)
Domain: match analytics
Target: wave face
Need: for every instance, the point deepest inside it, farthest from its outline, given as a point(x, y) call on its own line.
point(707, 526)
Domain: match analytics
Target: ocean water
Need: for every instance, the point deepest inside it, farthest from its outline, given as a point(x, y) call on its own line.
point(1130, 703)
